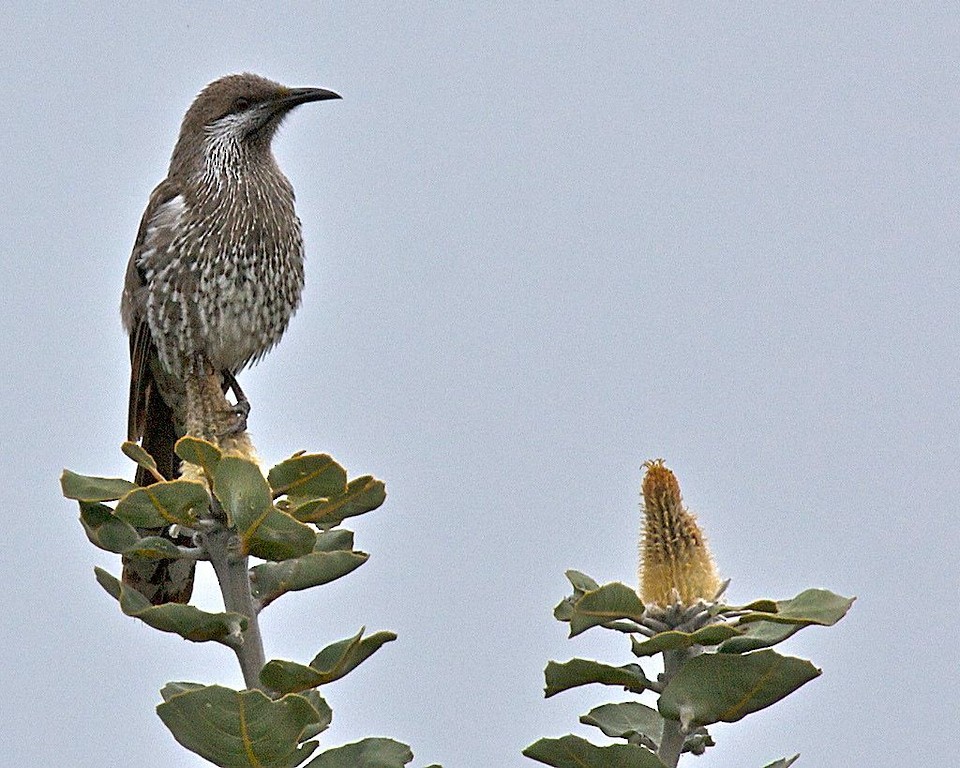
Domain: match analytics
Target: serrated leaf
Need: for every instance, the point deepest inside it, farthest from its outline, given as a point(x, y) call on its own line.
point(672, 640)
point(332, 663)
point(726, 687)
point(161, 504)
point(281, 537)
point(244, 494)
point(139, 456)
point(577, 672)
point(202, 453)
point(363, 494)
point(812, 606)
point(104, 529)
point(185, 620)
point(573, 752)
point(368, 753)
point(626, 719)
point(602, 605)
point(308, 476)
point(270, 580)
point(240, 729)
point(89, 488)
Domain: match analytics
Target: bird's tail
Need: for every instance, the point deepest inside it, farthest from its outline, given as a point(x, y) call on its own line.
point(159, 580)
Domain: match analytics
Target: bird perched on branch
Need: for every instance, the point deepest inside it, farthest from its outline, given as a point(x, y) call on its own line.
point(215, 275)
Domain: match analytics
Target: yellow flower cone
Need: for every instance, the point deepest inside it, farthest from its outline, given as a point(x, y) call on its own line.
point(674, 558)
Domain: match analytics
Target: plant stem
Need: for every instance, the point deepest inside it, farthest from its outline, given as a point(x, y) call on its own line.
point(230, 566)
point(671, 742)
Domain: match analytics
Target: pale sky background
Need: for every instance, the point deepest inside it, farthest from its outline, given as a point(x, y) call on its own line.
point(546, 241)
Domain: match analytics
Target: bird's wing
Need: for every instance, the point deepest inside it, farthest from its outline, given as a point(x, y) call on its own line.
point(161, 212)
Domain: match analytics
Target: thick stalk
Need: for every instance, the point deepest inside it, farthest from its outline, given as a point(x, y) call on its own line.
point(234, 577)
point(671, 742)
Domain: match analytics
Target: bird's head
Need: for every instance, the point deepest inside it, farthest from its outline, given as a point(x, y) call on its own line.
point(237, 115)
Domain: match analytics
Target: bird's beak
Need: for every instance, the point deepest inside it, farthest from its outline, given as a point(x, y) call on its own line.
point(294, 97)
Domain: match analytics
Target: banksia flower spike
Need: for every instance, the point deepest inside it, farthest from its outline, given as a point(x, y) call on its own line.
point(675, 562)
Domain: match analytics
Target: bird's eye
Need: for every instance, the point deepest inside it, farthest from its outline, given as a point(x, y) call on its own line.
point(240, 104)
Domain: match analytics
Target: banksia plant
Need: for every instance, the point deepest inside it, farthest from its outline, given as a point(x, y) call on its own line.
point(717, 662)
point(289, 522)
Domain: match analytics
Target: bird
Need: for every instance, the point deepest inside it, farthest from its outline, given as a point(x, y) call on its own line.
point(215, 275)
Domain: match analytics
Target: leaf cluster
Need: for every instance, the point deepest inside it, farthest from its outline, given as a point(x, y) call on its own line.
point(720, 671)
point(289, 521)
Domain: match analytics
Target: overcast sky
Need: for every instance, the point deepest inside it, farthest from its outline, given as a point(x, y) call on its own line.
point(546, 241)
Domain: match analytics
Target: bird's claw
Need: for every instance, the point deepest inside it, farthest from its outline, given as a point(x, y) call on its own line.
point(238, 417)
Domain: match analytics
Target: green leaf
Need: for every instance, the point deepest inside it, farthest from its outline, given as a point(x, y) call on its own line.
point(281, 537)
point(104, 529)
point(185, 620)
point(86, 488)
point(332, 663)
point(160, 504)
point(237, 729)
point(573, 752)
point(672, 640)
point(726, 687)
point(244, 494)
point(602, 605)
point(363, 494)
point(626, 719)
point(308, 476)
point(204, 454)
point(812, 606)
point(270, 580)
point(759, 634)
point(334, 541)
point(369, 753)
point(577, 672)
point(138, 455)
point(763, 605)
point(154, 548)
point(785, 762)
point(581, 582)
point(326, 714)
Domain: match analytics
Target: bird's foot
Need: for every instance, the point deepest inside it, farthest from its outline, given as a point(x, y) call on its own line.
point(237, 419)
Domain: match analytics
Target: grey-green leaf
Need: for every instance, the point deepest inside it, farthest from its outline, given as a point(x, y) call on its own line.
point(244, 494)
point(362, 495)
point(672, 640)
point(577, 672)
point(185, 620)
point(270, 580)
point(280, 537)
point(308, 476)
point(89, 488)
point(368, 753)
point(785, 762)
point(573, 752)
point(726, 687)
point(332, 663)
point(239, 729)
point(602, 605)
point(104, 529)
point(812, 606)
point(626, 719)
point(160, 504)
point(203, 453)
